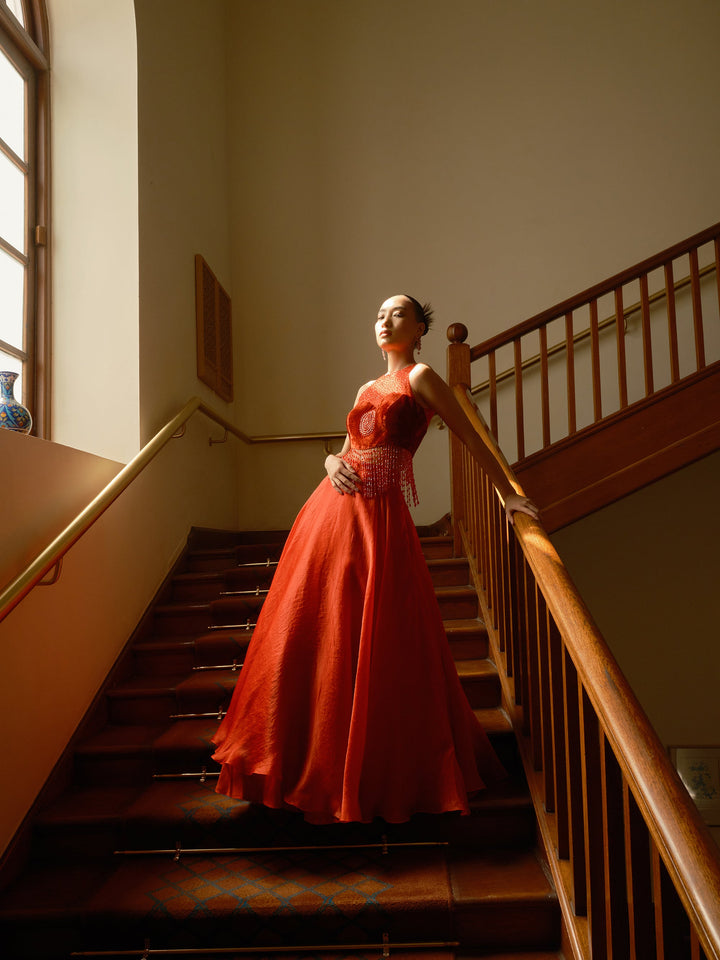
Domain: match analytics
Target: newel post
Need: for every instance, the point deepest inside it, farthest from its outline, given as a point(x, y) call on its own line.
point(458, 372)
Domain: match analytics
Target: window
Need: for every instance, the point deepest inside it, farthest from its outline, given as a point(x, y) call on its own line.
point(24, 204)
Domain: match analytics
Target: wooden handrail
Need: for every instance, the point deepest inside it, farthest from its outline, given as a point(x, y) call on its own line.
point(567, 694)
point(641, 364)
point(584, 335)
point(18, 588)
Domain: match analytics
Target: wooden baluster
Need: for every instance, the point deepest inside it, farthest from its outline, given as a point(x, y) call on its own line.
point(458, 372)
point(672, 323)
point(519, 408)
point(506, 619)
point(494, 562)
point(573, 776)
point(717, 268)
point(544, 387)
point(697, 310)
point(646, 336)
point(483, 494)
point(522, 693)
point(558, 738)
point(533, 711)
point(617, 932)
point(622, 362)
point(492, 378)
point(545, 700)
point(595, 838)
point(639, 881)
point(672, 927)
point(514, 593)
point(595, 356)
point(571, 400)
point(696, 950)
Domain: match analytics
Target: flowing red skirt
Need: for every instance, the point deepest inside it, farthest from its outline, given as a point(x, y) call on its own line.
point(349, 706)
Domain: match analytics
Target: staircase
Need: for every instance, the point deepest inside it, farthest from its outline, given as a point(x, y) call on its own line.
point(138, 856)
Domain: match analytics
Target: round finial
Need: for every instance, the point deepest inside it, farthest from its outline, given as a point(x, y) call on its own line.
point(457, 333)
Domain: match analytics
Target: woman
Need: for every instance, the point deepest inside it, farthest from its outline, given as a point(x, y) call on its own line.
point(349, 705)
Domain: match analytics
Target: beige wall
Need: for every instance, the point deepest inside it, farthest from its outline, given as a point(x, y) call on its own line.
point(648, 568)
point(184, 192)
point(493, 157)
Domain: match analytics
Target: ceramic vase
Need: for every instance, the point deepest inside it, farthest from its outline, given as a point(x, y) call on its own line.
point(13, 415)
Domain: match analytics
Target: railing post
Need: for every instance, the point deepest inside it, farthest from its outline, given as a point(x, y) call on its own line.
point(458, 372)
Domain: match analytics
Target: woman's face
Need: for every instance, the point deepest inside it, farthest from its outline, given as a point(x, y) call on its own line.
point(397, 325)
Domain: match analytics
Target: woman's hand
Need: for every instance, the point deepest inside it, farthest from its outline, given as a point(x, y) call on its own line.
point(514, 503)
point(342, 476)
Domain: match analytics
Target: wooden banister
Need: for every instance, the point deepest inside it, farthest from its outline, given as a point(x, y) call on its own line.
point(641, 367)
point(636, 870)
point(598, 290)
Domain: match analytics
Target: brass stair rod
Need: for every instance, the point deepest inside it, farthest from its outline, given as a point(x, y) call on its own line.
point(220, 666)
point(386, 945)
point(309, 848)
point(232, 626)
point(244, 593)
point(585, 334)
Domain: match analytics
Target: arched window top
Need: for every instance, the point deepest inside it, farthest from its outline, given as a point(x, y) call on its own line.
point(17, 7)
point(27, 21)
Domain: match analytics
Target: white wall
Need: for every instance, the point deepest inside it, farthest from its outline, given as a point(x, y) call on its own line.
point(95, 369)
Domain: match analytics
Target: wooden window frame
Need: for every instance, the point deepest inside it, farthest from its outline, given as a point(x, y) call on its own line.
point(30, 46)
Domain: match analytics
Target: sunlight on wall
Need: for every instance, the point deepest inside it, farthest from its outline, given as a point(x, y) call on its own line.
point(95, 226)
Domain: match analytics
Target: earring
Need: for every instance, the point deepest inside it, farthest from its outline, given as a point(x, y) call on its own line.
point(418, 344)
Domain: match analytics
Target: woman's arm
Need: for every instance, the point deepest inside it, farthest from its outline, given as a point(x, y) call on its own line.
point(432, 391)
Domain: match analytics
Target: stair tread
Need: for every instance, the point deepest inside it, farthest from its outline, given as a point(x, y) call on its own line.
point(475, 669)
point(493, 720)
point(121, 737)
point(464, 625)
point(497, 876)
point(174, 800)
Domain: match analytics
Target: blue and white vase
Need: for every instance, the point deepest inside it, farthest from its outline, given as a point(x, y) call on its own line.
point(13, 415)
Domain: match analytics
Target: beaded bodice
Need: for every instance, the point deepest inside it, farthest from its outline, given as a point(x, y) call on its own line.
point(385, 428)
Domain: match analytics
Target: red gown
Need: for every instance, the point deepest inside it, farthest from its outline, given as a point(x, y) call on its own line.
point(349, 705)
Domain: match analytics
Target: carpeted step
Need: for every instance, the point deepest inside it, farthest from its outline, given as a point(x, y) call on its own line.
point(480, 681)
point(503, 900)
point(500, 900)
point(434, 548)
point(449, 571)
point(338, 896)
point(153, 698)
point(468, 638)
point(121, 754)
point(457, 603)
point(97, 821)
point(173, 655)
point(206, 585)
point(222, 558)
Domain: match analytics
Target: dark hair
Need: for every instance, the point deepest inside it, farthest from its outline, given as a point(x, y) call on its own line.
point(423, 312)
